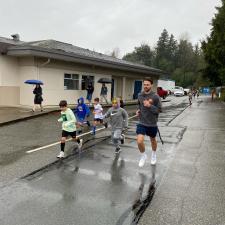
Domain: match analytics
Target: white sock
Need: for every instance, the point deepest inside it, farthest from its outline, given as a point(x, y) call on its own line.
point(143, 154)
point(153, 153)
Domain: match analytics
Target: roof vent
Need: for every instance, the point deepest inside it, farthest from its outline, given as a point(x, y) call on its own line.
point(16, 37)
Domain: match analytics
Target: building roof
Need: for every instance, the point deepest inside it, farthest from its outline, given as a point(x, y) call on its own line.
point(9, 41)
point(5, 43)
point(68, 52)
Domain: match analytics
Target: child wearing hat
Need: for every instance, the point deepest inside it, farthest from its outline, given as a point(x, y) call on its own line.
point(119, 121)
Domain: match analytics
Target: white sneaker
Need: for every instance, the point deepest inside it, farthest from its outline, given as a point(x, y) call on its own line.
point(153, 159)
point(142, 160)
point(61, 155)
point(80, 144)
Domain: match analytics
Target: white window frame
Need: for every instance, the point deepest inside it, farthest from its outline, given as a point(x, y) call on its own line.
point(73, 79)
point(87, 75)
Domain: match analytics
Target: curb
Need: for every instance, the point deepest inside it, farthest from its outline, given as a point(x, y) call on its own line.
point(26, 118)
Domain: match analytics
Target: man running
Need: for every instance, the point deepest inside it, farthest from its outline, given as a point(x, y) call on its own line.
point(149, 109)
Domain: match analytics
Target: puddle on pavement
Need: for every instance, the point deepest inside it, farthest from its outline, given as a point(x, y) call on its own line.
point(142, 200)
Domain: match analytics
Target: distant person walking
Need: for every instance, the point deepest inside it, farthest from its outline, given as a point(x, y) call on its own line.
point(197, 92)
point(90, 90)
point(103, 94)
point(149, 109)
point(190, 98)
point(37, 97)
point(213, 94)
point(194, 93)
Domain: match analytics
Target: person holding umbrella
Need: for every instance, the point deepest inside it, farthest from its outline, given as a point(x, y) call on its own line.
point(37, 97)
point(37, 93)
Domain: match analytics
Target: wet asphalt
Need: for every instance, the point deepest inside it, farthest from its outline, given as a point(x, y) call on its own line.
point(93, 187)
point(192, 189)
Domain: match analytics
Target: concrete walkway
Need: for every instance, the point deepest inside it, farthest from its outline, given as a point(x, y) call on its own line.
point(192, 191)
point(15, 114)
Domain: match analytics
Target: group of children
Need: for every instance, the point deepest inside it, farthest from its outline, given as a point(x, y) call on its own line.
point(191, 94)
point(80, 117)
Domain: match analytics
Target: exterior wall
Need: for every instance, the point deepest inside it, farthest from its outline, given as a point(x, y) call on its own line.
point(8, 71)
point(129, 88)
point(118, 88)
point(53, 77)
point(9, 81)
point(14, 71)
point(54, 86)
point(12, 94)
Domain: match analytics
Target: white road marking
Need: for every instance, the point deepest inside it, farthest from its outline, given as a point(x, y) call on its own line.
point(58, 142)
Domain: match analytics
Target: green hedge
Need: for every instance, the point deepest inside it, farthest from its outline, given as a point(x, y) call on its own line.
point(223, 94)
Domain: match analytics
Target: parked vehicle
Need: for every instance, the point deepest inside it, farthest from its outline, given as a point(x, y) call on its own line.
point(161, 92)
point(178, 91)
point(166, 85)
point(186, 91)
point(176, 88)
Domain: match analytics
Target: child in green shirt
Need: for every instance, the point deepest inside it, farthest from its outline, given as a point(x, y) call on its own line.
point(68, 127)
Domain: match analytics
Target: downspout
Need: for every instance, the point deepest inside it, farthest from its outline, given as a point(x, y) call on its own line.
point(45, 63)
point(42, 65)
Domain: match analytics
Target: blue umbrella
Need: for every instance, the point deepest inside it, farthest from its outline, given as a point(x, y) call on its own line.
point(33, 82)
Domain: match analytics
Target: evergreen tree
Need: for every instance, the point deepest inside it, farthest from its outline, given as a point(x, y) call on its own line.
point(214, 49)
point(185, 65)
point(166, 51)
point(162, 51)
point(172, 48)
point(142, 55)
point(183, 61)
point(172, 53)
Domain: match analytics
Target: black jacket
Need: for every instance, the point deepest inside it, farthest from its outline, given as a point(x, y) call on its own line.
point(90, 89)
point(37, 91)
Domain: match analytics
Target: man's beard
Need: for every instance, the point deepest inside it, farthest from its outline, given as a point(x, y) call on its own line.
point(147, 89)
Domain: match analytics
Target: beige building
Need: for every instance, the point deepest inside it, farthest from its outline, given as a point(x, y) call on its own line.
point(65, 70)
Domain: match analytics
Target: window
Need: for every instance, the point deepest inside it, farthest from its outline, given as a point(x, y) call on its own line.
point(71, 81)
point(86, 80)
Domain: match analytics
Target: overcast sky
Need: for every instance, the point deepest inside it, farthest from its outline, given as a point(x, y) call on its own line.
point(105, 24)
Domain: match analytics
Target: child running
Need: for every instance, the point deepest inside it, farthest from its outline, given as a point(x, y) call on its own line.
point(98, 116)
point(119, 121)
point(82, 111)
point(68, 127)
